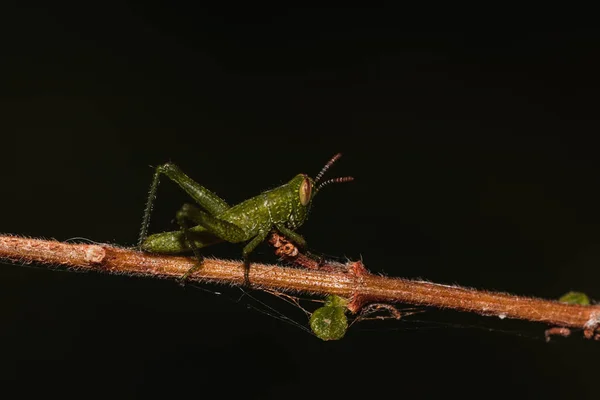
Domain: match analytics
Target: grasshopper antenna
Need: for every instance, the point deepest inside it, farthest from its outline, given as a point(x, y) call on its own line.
point(335, 180)
point(327, 166)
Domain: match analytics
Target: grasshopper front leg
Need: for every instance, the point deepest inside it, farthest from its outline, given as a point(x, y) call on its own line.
point(291, 235)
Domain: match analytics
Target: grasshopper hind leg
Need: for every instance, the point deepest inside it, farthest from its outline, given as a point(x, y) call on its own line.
point(184, 240)
point(209, 201)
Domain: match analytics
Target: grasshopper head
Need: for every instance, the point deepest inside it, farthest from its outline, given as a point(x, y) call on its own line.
point(304, 189)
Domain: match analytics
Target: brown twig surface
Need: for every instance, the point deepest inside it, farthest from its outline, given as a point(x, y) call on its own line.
point(350, 280)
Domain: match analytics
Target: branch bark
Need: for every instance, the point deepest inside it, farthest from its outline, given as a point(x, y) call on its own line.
point(351, 281)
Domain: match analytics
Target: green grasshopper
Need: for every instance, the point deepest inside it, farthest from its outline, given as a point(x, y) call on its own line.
point(284, 208)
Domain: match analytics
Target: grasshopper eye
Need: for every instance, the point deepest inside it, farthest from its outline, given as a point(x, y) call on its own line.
point(305, 191)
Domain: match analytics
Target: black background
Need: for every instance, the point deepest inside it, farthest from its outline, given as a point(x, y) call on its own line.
point(475, 161)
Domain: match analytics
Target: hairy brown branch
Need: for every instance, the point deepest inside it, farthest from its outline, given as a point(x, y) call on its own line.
point(353, 281)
